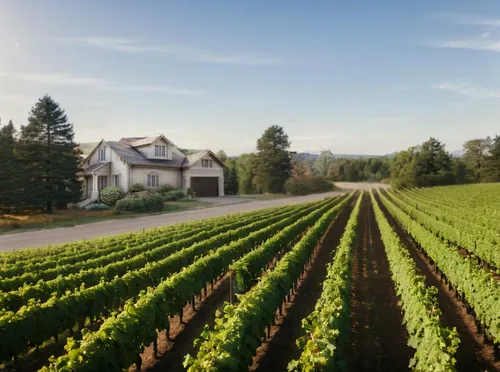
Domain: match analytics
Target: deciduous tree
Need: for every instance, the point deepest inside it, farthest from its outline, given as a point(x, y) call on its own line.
point(474, 157)
point(323, 165)
point(491, 169)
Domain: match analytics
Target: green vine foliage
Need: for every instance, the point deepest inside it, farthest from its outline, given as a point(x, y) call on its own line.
point(117, 264)
point(327, 327)
point(250, 267)
point(157, 242)
point(40, 259)
point(478, 240)
point(239, 330)
point(480, 290)
point(35, 323)
point(115, 345)
point(434, 344)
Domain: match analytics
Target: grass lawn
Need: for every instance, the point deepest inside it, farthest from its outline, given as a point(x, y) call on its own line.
point(66, 218)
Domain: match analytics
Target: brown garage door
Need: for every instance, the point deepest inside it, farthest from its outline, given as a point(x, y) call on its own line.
point(205, 186)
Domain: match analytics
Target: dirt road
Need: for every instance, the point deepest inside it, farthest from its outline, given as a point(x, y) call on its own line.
point(40, 238)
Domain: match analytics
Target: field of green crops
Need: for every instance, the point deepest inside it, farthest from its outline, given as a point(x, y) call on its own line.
point(307, 287)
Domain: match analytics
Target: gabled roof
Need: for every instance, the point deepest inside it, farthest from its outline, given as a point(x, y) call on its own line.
point(196, 157)
point(144, 141)
point(126, 148)
point(90, 170)
point(134, 157)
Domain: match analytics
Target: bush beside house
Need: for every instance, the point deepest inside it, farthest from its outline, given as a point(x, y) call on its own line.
point(151, 203)
point(110, 195)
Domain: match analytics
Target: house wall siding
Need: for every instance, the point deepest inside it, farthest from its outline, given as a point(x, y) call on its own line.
point(118, 166)
point(149, 150)
point(171, 177)
point(197, 165)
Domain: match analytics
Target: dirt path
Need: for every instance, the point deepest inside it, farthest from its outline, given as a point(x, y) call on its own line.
point(39, 238)
point(378, 335)
point(171, 352)
point(275, 353)
point(473, 353)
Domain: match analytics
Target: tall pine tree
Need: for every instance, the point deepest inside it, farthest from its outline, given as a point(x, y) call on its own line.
point(10, 183)
point(273, 163)
point(50, 157)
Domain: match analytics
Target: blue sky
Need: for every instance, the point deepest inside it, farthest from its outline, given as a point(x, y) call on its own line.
point(352, 76)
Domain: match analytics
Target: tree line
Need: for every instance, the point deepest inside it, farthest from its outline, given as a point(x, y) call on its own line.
point(40, 162)
point(429, 164)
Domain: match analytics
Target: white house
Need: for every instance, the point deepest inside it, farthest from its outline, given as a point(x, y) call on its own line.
point(152, 162)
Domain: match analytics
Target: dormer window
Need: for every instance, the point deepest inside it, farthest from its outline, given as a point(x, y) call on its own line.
point(160, 151)
point(207, 163)
point(102, 154)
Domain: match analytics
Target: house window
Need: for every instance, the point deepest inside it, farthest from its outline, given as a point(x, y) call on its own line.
point(153, 180)
point(116, 180)
point(102, 154)
point(207, 163)
point(102, 182)
point(161, 151)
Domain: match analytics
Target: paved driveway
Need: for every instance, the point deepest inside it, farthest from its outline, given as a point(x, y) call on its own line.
point(225, 200)
point(40, 238)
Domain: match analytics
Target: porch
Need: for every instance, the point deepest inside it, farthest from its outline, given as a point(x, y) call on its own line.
point(96, 178)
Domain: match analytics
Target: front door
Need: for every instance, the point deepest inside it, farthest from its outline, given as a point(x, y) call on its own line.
point(88, 187)
point(102, 182)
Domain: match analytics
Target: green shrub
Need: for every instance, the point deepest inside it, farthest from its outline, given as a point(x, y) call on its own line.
point(169, 197)
point(307, 185)
point(165, 189)
point(110, 195)
point(176, 194)
point(137, 187)
point(99, 207)
point(152, 203)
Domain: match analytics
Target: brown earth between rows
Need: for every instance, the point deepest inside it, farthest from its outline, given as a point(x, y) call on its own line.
point(379, 338)
point(473, 353)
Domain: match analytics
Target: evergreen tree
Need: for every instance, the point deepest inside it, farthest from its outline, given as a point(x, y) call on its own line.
point(230, 178)
point(50, 156)
point(273, 163)
point(10, 183)
point(491, 169)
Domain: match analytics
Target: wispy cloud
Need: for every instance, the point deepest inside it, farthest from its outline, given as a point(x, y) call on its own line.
point(313, 138)
point(467, 89)
point(484, 39)
point(67, 80)
point(469, 20)
point(141, 47)
point(484, 42)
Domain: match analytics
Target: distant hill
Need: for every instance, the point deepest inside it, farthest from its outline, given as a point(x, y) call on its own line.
point(310, 157)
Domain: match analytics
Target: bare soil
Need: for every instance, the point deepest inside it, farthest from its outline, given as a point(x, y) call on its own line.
point(171, 352)
point(279, 349)
point(379, 338)
point(473, 354)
